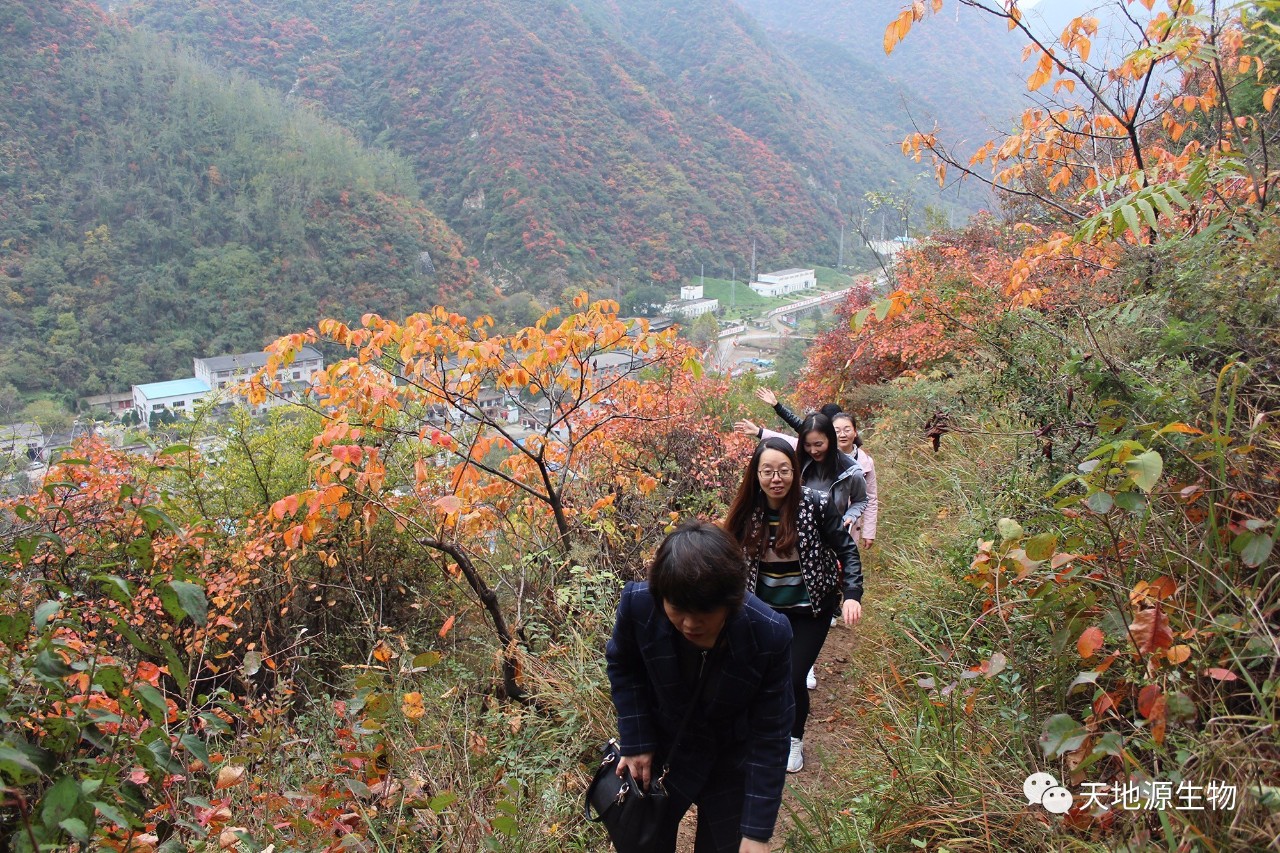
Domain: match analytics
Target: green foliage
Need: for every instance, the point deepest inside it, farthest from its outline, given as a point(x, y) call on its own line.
point(164, 210)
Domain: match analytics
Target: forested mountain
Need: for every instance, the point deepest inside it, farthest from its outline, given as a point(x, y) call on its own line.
point(962, 70)
point(153, 209)
point(627, 141)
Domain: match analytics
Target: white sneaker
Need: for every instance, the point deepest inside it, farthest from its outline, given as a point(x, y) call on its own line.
point(795, 761)
point(835, 620)
point(811, 680)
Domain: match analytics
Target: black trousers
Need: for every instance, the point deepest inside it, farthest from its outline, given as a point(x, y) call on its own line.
point(719, 813)
point(808, 633)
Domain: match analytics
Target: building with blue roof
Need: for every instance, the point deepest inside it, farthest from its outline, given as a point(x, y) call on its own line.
point(177, 395)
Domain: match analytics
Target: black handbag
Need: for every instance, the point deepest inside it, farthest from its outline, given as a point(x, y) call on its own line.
point(631, 815)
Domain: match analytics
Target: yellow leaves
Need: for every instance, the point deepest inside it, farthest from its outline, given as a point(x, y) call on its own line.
point(981, 155)
point(1269, 98)
point(411, 706)
point(382, 652)
point(1044, 70)
point(898, 29)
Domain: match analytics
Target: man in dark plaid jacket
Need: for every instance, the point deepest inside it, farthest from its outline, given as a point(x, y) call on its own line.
point(694, 619)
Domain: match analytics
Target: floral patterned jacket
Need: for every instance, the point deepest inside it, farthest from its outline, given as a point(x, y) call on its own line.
point(828, 554)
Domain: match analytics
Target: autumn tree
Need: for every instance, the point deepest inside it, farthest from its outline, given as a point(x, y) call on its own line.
point(459, 435)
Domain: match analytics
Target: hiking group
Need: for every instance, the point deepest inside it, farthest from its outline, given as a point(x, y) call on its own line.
point(716, 649)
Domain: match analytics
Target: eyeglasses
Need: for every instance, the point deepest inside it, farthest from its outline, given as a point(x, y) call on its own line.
point(770, 474)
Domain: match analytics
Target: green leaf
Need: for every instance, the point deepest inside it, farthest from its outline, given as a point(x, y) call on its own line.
point(116, 587)
point(1145, 469)
point(1041, 546)
point(195, 745)
point(882, 307)
point(155, 518)
point(177, 669)
point(59, 802)
point(859, 320)
point(1130, 214)
point(1132, 502)
point(1179, 706)
point(1069, 478)
point(1256, 550)
point(11, 758)
point(1148, 212)
point(153, 700)
point(174, 450)
point(1061, 735)
point(51, 666)
point(214, 723)
point(1109, 744)
point(110, 679)
point(186, 599)
point(13, 628)
point(112, 813)
point(1009, 529)
point(1082, 680)
point(424, 661)
point(440, 802)
point(1100, 502)
point(44, 613)
point(506, 825)
point(76, 828)
point(1162, 202)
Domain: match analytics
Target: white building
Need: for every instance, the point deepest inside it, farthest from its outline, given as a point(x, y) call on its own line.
point(692, 308)
point(690, 292)
point(783, 282)
point(890, 248)
point(177, 395)
point(224, 371)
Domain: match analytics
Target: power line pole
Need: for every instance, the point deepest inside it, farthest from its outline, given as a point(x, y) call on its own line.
point(840, 259)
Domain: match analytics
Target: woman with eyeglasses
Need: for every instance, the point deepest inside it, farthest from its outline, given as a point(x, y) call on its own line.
point(801, 561)
point(861, 519)
point(849, 442)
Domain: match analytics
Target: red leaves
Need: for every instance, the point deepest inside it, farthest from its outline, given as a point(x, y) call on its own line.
point(1150, 630)
point(1091, 639)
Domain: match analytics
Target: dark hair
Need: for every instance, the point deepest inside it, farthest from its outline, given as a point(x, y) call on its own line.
point(699, 568)
point(830, 410)
point(750, 497)
point(857, 433)
point(828, 467)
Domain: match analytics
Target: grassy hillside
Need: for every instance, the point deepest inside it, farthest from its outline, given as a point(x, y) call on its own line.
point(153, 209)
point(624, 141)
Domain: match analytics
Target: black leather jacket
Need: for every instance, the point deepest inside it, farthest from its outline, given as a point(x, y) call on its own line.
point(848, 494)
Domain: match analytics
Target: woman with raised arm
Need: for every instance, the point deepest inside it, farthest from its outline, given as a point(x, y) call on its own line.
point(835, 476)
point(695, 630)
point(801, 561)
